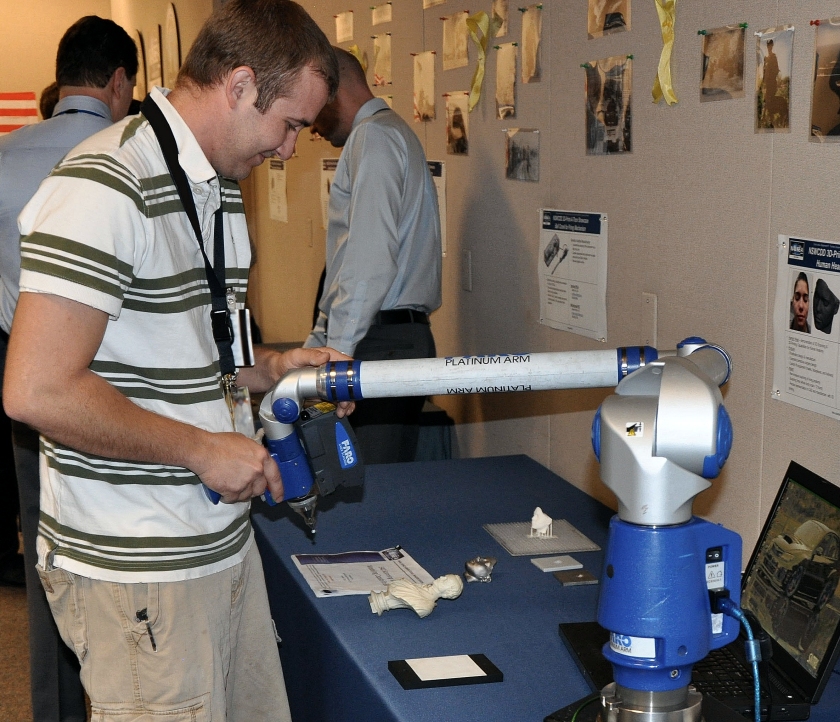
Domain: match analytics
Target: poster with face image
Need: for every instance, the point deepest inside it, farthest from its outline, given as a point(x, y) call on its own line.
point(806, 344)
point(522, 154)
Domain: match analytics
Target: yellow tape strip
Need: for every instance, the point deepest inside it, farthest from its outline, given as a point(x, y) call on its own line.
point(480, 23)
point(662, 85)
point(357, 53)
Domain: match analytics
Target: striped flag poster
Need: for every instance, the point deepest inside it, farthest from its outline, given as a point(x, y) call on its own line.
point(17, 110)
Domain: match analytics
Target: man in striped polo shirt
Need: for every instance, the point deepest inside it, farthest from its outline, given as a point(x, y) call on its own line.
point(112, 358)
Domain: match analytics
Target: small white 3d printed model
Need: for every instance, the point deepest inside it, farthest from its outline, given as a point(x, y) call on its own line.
point(541, 524)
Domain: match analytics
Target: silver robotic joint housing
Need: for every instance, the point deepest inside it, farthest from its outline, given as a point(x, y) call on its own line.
point(656, 433)
point(620, 704)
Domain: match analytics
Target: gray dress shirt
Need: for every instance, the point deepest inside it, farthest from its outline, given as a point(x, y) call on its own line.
point(26, 157)
point(383, 240)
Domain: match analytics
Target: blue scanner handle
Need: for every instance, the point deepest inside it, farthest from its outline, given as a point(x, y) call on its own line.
point(289, 455)
point(291, 460)
point(294, 467)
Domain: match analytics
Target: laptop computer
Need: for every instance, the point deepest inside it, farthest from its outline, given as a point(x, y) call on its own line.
point(790, 586)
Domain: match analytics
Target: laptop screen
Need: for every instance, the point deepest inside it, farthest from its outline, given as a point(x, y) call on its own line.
point(791, 581)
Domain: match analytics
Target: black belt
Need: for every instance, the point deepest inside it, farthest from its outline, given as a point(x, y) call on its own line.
point(400, 315)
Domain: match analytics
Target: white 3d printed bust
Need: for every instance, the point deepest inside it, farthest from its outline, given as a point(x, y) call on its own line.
point(403, 594)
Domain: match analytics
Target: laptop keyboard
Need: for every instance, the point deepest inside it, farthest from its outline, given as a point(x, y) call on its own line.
point(722, 674)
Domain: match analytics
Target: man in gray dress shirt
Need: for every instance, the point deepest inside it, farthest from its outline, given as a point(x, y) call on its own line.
point(96, 67)
point(383, 272)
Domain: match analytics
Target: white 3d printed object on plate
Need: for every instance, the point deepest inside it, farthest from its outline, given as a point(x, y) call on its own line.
point(516, 539)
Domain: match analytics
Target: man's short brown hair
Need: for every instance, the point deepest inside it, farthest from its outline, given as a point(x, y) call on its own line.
point(91, 50)
point(277, 39)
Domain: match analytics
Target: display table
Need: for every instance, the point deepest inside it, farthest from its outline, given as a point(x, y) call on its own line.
point(335, 651)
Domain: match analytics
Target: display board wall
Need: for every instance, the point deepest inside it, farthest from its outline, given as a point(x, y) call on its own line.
point(149, 18)
point(694, 213)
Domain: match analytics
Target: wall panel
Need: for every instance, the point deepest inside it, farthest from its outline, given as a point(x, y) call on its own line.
point(694, 214)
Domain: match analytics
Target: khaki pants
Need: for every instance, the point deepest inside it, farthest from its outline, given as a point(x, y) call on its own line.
point(216, 655)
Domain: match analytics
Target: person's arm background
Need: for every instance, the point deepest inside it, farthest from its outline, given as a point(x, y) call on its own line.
point(318, 335)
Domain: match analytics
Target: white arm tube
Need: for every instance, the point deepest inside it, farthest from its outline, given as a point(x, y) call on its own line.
point(488, 374)
point(348, 381)
point(494, 373)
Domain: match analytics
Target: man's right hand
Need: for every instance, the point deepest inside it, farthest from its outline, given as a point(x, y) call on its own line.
point(237, 467)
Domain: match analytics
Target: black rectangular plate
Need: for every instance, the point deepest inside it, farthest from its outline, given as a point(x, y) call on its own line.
point(407, 677)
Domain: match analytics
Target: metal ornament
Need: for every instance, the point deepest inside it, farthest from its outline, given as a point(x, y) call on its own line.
point(479, 569)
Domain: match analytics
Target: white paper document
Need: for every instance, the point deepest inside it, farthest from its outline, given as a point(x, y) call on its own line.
point(278, 207)
point(362, 572)
point(344, 27)
point(328, 166)
point(454, 667)
point(438, 170)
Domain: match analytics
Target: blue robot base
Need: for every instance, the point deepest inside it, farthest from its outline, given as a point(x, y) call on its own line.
point(654, 600)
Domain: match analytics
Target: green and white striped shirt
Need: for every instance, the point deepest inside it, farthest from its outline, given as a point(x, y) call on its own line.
point(107, 229)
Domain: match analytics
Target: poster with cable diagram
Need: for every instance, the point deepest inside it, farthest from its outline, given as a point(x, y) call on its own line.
point(572, 270)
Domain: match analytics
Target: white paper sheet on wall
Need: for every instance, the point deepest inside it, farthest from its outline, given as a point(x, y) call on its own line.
point(344, 27)
point(278, 207)
point(381, 14)
point(438, 170)
point(572, 269)
point(328, 166)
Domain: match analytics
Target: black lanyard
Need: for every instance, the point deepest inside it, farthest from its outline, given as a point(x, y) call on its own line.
point(73, 111)
point(220, 314)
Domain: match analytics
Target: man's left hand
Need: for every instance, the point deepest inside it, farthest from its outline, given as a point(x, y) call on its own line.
point(299, 358)
point(271, 366)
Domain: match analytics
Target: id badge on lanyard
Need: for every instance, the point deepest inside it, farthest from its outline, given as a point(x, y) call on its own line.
point(238, 398)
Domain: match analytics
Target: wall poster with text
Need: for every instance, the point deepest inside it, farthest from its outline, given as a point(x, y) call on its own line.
point(572, 269)
point(806, 332)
